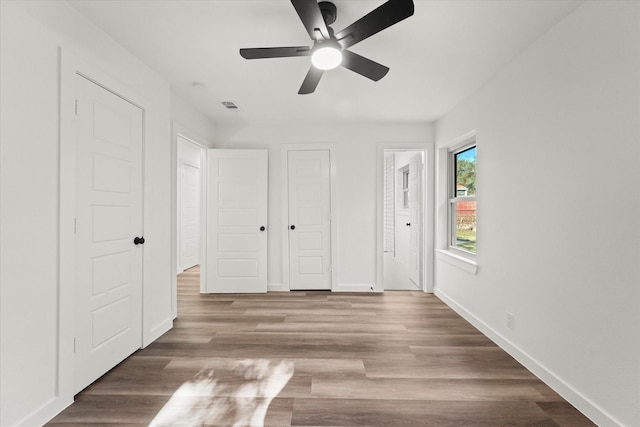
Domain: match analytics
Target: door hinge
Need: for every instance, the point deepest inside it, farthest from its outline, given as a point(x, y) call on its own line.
point(74, 344)
point(76, 107)
point(75, 225)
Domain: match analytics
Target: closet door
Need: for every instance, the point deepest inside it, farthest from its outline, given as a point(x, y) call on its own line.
point(109, 241)
point(309, 187)
point(237, 222)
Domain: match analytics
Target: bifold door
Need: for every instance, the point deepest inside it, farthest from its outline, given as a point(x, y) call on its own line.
point(237, 222)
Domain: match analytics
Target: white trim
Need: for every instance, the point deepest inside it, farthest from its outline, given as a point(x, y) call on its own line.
point(459, 142)
point(157, 331)
point(581, 402)
point(277, 287)
point(446, 157)
point(428, 211)
point(204, 212)
point(177, 129)
point(180, 131)
point(284, 159)
point(45, 413)
point(467, 264)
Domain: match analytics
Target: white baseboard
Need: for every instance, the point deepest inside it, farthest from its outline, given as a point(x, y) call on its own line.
point(46, 412)
point(583, 404)
point(156, 332)
point(277, 287)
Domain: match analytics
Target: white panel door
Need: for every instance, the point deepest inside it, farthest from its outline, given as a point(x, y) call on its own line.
point(189, 215)
point(309, 219)
point(237, 221)
point(108, 217)
point(415, 218)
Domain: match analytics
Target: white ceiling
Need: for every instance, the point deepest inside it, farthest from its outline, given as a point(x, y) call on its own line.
point(442, 54)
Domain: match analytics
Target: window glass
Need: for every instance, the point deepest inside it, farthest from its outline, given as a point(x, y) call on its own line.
point(463, 203)
point(465, 220)
point(465, 165)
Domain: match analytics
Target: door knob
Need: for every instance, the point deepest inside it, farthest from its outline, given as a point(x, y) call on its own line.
point(293, 227)
point(138, 241)
point(262, 228)
point(408, 224)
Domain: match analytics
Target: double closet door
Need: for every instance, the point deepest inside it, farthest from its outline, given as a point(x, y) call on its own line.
point(237, 226)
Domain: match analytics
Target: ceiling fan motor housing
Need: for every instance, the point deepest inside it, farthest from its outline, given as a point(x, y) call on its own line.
point(331, 49)
point(329, 11)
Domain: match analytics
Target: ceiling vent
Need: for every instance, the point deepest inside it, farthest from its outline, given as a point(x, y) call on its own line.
point(230, 105)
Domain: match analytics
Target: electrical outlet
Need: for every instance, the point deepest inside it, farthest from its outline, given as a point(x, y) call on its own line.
point(511, 320)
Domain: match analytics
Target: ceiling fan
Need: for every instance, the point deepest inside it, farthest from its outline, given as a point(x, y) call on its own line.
point(329, 49)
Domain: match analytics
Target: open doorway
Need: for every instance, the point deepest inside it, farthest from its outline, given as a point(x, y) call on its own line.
point(402, 219)
point(405, 208)
point(190, 167)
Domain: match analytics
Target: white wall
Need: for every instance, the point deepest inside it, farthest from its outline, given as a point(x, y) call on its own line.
point(558, 243)
point(30, 36)
point(356, 185)
point(189, 122)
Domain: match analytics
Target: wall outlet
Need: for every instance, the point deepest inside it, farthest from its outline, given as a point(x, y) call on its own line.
point(511, 320)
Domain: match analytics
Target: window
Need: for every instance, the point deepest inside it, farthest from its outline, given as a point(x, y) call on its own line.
point(462, 199)
point(405, 188)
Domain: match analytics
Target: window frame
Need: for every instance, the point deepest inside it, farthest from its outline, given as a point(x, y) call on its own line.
point(453, 199)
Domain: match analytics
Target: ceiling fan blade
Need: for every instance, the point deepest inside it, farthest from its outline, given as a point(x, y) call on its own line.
point(363, 66)
point(310, 81)
point(311, 17)
point(383, 17)
point(275, 52)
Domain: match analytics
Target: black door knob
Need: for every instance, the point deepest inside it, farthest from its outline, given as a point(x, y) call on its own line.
point(408, 224)
point(138, 241)
point(262, 228)
point(293, 227)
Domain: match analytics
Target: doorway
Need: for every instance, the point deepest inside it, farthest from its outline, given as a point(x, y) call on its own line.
point(405, 206)
point(189, 202)
point(402, 220)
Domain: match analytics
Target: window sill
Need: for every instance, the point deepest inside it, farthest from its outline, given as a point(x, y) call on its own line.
point(462, 262)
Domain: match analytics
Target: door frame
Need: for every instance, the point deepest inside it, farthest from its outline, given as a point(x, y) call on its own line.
point(70, 67)
point(284, 185)
point(202, 172)
point(183, 132)
point(428, 203)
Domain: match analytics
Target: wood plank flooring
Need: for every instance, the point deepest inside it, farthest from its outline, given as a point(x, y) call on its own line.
point(318, 359)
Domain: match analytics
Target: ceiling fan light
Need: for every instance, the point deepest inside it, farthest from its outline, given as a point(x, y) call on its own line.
point(326, 58)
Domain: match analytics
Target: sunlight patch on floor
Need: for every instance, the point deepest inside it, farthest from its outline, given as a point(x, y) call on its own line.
point(239, 399)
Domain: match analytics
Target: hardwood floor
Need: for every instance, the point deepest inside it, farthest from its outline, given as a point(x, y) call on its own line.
point(318, 359)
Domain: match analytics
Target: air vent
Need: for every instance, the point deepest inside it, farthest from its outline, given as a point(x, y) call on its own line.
point(230, 105)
